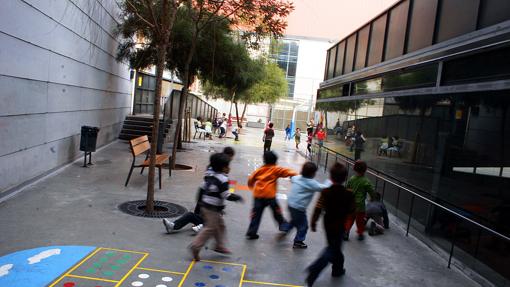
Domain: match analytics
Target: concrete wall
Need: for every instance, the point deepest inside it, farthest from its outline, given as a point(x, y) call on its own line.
point(310, 68)
point(57, 73)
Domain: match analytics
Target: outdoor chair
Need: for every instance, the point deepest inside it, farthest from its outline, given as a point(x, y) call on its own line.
point(141, 145)
point(198, 130)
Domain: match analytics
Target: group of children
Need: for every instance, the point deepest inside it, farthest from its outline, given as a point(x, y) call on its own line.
point(342, 205)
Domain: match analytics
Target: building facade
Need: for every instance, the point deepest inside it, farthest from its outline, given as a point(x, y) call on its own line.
point(427, 83)
point(57, 73)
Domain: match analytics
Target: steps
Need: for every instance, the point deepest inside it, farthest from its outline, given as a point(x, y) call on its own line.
point(135, 126)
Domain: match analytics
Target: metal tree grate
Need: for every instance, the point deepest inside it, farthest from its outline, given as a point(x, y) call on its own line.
point(162, 209)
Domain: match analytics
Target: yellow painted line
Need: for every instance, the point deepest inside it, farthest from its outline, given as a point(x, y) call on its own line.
point(187, 273)
point(162, 271)
point(269, 283)
point(91, 278)
point(226, 263)
point(132, 269)
point(75, 266)
point(242, 276)
point(127, 251)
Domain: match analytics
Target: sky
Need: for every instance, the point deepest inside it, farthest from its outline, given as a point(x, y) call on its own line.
point(332, 19)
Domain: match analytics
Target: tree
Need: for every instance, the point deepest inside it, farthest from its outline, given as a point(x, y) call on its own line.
point(258, 18)
point(150, 20)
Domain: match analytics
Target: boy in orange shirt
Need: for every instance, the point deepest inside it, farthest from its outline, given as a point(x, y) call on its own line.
point(263, 184)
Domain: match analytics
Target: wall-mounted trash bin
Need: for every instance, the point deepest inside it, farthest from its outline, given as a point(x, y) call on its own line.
point(88, 142)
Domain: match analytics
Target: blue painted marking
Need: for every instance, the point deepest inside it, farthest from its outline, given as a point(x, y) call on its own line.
point(23, 274)
point(208, 267)
point(214, 276)
point(219, 286)
point(227, 269)
point(200, 284)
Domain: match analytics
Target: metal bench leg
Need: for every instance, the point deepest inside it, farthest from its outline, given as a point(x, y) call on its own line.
point(170, 166)
point(129, 174)
point(159, 169)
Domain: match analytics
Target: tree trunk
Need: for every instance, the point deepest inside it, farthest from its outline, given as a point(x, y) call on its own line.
point(184, 96)
point(237, 115)
point(242, 116)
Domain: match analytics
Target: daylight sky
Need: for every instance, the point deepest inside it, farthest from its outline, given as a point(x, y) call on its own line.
point(332, 19)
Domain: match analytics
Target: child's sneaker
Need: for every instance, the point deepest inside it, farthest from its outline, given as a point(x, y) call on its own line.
point(168, 225)
point(361, 237)
point(252, 236)
point(338, 273)
point(372, 230)
point(197, 228)
point(299, 245)
point(195, 253)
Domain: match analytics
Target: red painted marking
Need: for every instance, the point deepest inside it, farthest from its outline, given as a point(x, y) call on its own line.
point(69, 284)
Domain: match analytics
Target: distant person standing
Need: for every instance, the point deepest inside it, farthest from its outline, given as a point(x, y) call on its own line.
point(321, 136)
point(287, 132)
point(359, 141)
point(297, 137)
point(268, 137)
point(309, 139)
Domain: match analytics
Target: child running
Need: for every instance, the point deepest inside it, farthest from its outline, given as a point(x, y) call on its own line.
point(301, 194)
point(360, 187)
point(263, 184)
point(194, 217)
point(336, 203)
point(212, 203)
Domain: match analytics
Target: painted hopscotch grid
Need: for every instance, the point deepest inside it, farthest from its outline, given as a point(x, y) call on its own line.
point(105, 267)
point(141, 277)
point(208, 273)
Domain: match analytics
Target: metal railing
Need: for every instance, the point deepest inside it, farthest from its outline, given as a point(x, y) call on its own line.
point(321, 155)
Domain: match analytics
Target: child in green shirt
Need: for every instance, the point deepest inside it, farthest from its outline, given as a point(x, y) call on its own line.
point(360, 187)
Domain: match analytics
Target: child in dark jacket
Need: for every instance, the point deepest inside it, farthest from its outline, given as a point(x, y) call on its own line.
point(212, 203)
point(194, 217)
point(336, 203)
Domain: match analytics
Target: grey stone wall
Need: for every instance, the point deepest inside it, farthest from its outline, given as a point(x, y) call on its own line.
point(57, 73)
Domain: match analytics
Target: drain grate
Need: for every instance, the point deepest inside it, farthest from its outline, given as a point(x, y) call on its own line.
point(162, 209)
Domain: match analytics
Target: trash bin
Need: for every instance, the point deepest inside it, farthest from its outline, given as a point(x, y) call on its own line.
point(88, 142)
point(88, 138)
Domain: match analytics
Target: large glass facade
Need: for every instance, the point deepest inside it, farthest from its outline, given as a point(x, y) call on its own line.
point(452, 149)
point(411, 25)
point(286, 56)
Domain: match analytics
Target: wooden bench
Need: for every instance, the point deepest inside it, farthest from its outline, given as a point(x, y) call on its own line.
point(141, 145)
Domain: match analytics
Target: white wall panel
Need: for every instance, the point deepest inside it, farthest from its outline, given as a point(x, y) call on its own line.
point(57, 72)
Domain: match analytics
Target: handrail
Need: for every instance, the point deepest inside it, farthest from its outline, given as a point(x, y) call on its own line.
point(377, 174)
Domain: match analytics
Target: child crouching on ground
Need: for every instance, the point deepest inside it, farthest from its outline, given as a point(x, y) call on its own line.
point(212, 203)
point(263, 183)
point(377, 215)
point(301, 194)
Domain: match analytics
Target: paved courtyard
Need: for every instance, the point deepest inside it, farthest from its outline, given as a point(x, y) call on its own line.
point(79, 236)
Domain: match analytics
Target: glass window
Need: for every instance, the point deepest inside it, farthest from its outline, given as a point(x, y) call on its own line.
point(490, 65)
point(396, 31)
point(340, 59)
point(349, 55)
point(292, 69)
point(326, 75)
point(421, 28)
point(493, 12)
point(332, 60)
point(457, 17)
point(361, 54)
point(377, 40)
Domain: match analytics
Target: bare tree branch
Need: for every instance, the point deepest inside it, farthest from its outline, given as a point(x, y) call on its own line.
point(135, 10)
